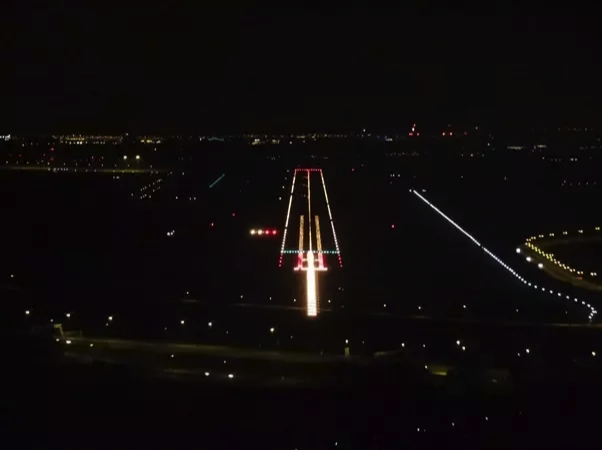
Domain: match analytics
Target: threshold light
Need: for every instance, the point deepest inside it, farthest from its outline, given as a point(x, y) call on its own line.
point(540, 265)
point(518, 250)
point(137, 156)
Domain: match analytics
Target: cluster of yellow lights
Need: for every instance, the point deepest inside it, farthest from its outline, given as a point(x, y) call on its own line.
point(550, 256)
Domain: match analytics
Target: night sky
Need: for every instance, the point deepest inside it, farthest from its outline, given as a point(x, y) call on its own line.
point(169, 69)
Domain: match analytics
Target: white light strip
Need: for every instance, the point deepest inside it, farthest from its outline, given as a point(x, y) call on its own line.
point(334, 234)
point(309, 208)
point(312, 308)
point(319, 244)
point(592, 310)
point(301, 241)
point(448, 219)
point(288, 213)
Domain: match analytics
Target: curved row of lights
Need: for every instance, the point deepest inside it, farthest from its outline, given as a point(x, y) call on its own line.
point(550, 256)
point(592, 310)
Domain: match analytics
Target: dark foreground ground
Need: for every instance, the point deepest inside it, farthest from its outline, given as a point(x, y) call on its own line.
point(64, 404)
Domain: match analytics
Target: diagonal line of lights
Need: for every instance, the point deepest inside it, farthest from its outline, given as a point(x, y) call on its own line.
point(592, 310)
point(217, 180)
point(288, 214)
point(334, 234)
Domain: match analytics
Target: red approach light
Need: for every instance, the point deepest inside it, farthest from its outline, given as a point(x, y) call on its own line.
point(212, 224)
point(353, 169)
point(274, 232)
point(51, 149)
point(392, 225)
point(443, 133)
point(451, 133)
point(411, 133)
point(233, 214)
